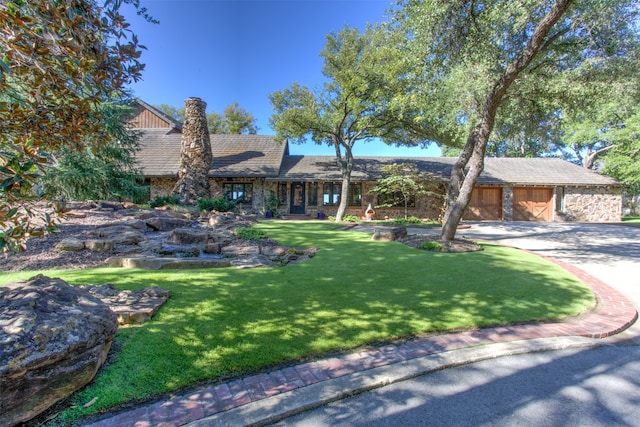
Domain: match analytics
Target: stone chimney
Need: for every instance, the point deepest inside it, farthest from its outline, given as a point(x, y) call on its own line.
point(195, 154)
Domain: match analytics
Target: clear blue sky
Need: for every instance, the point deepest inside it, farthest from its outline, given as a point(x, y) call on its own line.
point(242, 50)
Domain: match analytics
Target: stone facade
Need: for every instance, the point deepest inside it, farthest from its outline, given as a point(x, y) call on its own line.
point(195, 154)
point(592, 204)
point(507, 203)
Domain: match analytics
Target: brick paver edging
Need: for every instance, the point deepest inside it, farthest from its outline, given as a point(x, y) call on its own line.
point(614, 314)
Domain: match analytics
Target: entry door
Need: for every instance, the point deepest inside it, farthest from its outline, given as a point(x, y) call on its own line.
point(297, 198)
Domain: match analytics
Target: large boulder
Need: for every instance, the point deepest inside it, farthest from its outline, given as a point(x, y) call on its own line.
point(389, 233)
point(53, 340)
point(131, 306)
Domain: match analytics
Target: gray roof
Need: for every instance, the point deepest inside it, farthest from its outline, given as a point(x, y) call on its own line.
point(236, 156)
point(513, 171)
point(233, 155)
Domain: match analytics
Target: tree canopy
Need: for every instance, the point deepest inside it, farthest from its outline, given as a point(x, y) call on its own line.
point(486, 69)
point(234, 120)
point(59, 61)
point(354, 104)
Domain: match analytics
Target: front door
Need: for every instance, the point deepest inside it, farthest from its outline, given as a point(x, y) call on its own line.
point(297, 198)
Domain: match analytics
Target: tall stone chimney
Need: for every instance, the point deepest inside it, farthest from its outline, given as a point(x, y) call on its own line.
point(195, 154)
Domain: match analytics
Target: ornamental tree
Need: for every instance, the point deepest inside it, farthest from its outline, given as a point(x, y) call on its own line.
point(59, 60)
point(354, 104)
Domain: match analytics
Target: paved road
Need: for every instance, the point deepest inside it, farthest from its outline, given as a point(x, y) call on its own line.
point(594, 387)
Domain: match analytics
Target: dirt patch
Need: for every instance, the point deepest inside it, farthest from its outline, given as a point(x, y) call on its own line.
point(456, 245)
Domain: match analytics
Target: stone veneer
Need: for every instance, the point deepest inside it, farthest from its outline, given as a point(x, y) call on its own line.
point(195, 154)
point(593, 204)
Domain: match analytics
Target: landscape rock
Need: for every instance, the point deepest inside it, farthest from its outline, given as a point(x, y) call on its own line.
point(99, 245)
point(53, 339)
point(252, 261)
point(189, 236)
point(131, 306)
point(161, 223)
point(70, 244)
point(389, 233)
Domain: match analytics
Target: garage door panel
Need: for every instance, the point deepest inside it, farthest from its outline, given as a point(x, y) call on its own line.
point(485, 204)
point(532, 204)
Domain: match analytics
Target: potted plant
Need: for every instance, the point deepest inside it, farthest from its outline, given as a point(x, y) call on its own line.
point(271, 204)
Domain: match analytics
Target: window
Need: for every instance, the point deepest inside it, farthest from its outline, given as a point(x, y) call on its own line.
point(331, 194)
point(355, 195)
point(560, 199)
point(313, 194)
point(282, 193)
point(238, 192)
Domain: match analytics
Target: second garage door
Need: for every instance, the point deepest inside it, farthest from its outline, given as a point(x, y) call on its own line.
point(532, 204)
point(485, 204)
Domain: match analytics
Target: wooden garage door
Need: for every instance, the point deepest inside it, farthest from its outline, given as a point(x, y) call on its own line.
point(486, 204)
point(532, 204)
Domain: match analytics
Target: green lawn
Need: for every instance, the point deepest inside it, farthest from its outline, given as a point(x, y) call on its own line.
point(631, 220)
point(221, 323)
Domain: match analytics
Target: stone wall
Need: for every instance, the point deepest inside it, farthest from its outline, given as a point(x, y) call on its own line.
point(161, 187)
point(507, 203)
point(592, 204)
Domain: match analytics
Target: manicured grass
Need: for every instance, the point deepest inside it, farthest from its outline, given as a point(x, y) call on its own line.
point(221, 323)
point(631, 220)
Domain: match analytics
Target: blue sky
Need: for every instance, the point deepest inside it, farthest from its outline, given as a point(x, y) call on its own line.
point(242, 50)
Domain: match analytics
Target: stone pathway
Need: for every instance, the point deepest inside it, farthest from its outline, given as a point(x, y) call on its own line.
point(613, 314)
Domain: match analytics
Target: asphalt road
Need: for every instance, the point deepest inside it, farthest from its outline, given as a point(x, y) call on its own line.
point(582, 387)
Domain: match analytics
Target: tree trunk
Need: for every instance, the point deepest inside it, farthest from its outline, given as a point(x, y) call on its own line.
point(346, 167)
point(461, 186)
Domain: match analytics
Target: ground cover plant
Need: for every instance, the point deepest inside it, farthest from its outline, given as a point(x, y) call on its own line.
point(221, 323)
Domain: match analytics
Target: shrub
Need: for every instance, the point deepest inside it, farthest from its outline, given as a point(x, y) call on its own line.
point(219, 204)
point(408, 220)
point(249, 233)
point(432, 245)
point(350, 218)
point(164, 200)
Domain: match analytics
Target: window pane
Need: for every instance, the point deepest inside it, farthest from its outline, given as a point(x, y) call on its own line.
point(313, 194)
point(355, 195)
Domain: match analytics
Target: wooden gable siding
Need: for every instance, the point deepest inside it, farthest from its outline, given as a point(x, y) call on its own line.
point(147, 120)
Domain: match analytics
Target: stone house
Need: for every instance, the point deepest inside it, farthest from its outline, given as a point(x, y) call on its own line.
point(248, 168)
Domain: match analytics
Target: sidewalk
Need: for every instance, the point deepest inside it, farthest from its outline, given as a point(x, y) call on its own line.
point(267, 397)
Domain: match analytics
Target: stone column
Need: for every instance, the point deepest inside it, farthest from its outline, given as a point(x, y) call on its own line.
point(195, 154)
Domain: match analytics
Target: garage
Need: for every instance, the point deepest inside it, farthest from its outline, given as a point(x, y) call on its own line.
point(532, 204)
point(485, 204)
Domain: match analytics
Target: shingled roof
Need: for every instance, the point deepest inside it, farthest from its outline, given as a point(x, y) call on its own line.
point(513, 171)
point(251, 156)
point(233, 155)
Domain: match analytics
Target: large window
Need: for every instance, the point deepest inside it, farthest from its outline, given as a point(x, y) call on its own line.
point(282, 193)
point(313, 194)
point(238, 192)
point(355, 195)
point(331, 194)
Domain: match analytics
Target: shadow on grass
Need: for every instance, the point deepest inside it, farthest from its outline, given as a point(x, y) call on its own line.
point(222, 323)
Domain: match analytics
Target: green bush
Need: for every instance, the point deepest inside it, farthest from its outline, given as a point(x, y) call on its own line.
point(350, 218)
point(407, 221)
point(164, 200)
point(432, 245)
point(219, 204)
point(249, 233)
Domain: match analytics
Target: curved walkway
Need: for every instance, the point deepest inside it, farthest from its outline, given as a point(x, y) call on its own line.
point(267, 397)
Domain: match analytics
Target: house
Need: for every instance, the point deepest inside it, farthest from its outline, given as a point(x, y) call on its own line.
point(248, 168)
